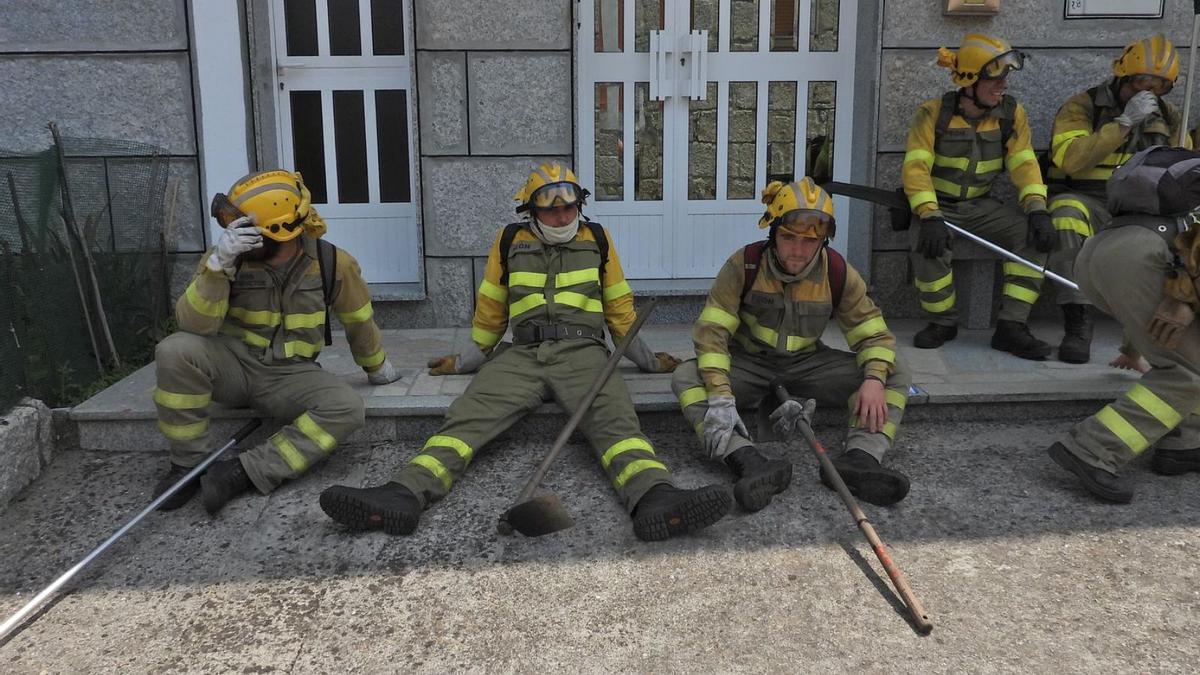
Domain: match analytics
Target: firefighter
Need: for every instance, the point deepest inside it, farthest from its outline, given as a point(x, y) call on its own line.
point(957, 145)
point(556, 280)
point(762, 323)
point(1096, 131)
point(252, 322)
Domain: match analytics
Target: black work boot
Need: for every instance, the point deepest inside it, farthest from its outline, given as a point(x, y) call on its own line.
point(183, 495)
point(665, 511)
point(390, 507)
point(1107, 486)
point(1168, 462)
point(1014, 337)
point(759, 477)
point(1076, 345)
point(934, 335)
point(223, 481)
point(867, 479)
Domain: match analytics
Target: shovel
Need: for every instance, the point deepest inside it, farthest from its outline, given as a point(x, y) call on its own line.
point(546, 513)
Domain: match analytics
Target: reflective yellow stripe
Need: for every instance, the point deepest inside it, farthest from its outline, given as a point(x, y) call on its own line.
point(1019, 158)
point(1151, 403)
point(634, 468)
point(525, 304)
point(1073, 225)
point(485, 337)
point(692, 396)
point(1032, 189)
point(1062, 141)
point(919, 198)
point(895, 398)
point(866, 329)
point(945, 186)
point(1020, 293)
point(795, 343)
point(718, 361)
point(464, 451)
point(876, 354)
point(315, 433)
point(919, 155)
point(1072, 203)
point(939, 306)
point(959, 163)
point(1123, 430)
point(762, 333)
point(889, 430)
point(433, 466)
point(183, 432)
point(309, 320)
point(255, 318)
point(300, 348)
point(290, 454)
point(250, 338)
point(576, 277)
point(988, 166)
point(617, 290)
point(935, 285)
point(535, 279)
point(720, 317)
point(489, 290)
point(169, 399)
point(977, 191)
point(359, 315)
point(579, 300)
point(624, 446)
point(372, 360)
point(203, 306)
point(1012, 269)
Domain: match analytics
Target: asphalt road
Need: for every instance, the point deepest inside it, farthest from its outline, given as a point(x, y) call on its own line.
point(1017, 567)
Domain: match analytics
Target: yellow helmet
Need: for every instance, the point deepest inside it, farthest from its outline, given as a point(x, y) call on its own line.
point(278, 201)
point(980, 56)
point(801, 207)
point(550, 185)
point(1154, 55)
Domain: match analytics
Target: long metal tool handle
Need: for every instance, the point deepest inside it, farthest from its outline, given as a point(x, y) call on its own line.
point(915, 609)
point(1012, 256)
point(16, 619)
point(1191, 73)
point(577, 416)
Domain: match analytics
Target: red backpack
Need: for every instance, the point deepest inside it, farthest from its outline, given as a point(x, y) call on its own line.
point(752, 256)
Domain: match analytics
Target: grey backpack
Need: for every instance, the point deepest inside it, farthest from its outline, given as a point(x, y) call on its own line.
point(1159, 180)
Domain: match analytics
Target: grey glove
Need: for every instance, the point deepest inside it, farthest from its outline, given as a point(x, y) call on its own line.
point(241, 236)
point(385, 374)
point(1139, 107)
point(788, 416)
point(720, 422)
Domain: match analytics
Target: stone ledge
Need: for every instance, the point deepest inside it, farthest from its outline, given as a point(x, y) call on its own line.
point(26, 446)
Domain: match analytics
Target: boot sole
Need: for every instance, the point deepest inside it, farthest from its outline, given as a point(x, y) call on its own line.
point(880, 487)
point(698, 511)
point(1066, 460)
point(1035, 355)
point(755, 494)
point(357, 514)
point(1169, 466)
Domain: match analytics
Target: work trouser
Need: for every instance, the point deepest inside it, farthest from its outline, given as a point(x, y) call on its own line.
point(999, 223)
point(1076, 217)
point(1122, 271)
point(193, 370)
point(830, 376)
point(516, 382)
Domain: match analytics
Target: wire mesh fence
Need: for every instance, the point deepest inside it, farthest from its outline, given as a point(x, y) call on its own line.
point(83, 266)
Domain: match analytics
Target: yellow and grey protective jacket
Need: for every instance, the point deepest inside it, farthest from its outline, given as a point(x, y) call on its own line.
point(550, 285)
point(784, 320)
point(961, 162)
point(281, 312)
point(1087, 144)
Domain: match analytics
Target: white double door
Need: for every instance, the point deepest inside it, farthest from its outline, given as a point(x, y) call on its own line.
point(344, 105)
point(688, 108)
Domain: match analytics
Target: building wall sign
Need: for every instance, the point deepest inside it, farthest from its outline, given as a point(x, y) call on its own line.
point(1113, 9)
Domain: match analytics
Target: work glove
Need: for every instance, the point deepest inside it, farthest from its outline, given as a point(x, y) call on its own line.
point(466, 361)
point(720, 422)
point(1041, 232)
point(241, 236)
point(384, 374)
point(650, 361)
point(934, 237)
point(1170, 321)
point(1140, 106)
point(788, 416)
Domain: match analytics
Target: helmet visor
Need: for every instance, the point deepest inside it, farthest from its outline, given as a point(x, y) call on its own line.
point(223, 211)
point(555, 194)
point(1159, 86)
point(807, 223)
point(1002, 65)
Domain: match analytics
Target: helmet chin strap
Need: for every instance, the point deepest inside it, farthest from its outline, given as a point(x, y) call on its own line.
point(969, 92)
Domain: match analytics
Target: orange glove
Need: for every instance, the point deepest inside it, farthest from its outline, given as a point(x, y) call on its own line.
point(666, 362)
point(443, 365)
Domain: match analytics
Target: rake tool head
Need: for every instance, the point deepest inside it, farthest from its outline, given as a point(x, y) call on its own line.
point(537, 516)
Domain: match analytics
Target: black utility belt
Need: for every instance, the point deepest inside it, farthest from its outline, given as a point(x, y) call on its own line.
point(528, 334)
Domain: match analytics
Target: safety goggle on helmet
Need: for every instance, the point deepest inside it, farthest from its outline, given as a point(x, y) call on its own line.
point(555, 195)
point(807, 223)
point(278, 200)
point(1002, 65)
